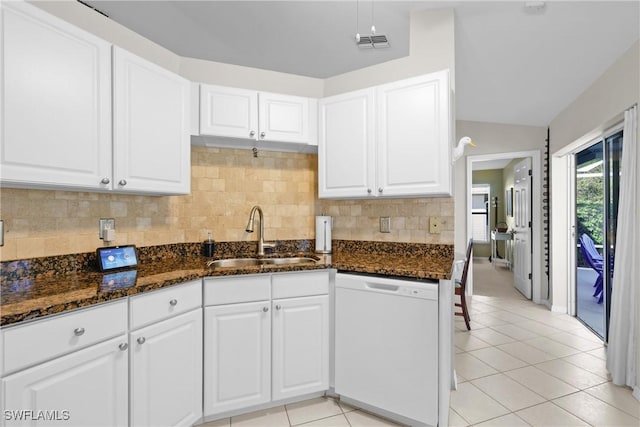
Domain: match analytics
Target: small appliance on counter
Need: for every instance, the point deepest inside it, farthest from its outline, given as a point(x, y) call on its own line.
point(324, 225)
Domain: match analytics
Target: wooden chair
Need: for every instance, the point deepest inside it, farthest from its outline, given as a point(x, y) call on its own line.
point(461, 286)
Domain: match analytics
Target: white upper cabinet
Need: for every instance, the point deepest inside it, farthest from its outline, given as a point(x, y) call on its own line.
point(413, 137)
point(247, 114)
point(151, 127)
point(58, 93)
point(346, 150)
point(55, 102)
point(287, 118)
point(227, 111)
point(392, 140)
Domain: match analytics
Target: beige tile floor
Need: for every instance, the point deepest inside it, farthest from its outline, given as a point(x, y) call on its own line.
point(520, 365)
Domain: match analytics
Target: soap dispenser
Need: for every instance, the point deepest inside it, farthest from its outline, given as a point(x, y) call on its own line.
point(208, 247)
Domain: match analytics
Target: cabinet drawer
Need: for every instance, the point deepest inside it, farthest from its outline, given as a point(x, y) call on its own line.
point(230, 290)
point(48, 338)
point(289, 285)
point(165, 303)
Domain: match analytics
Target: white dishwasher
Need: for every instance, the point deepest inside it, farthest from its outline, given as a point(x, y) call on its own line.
point(386, 349)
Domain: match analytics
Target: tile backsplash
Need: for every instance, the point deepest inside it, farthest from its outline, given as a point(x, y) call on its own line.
point(225, 184)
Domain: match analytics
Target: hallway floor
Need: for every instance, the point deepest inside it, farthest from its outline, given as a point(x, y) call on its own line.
point(520, 365)
point(523, 365)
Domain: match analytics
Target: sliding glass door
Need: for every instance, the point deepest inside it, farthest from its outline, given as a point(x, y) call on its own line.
point(597, 191)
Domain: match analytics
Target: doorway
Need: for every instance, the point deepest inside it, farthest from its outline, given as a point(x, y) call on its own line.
point(597, 188)
point(505, 199)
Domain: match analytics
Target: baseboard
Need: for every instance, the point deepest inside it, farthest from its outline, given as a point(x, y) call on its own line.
point(636, 392)
point(559, 309)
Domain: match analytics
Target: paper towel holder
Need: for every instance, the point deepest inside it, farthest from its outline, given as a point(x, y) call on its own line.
point(324, 225)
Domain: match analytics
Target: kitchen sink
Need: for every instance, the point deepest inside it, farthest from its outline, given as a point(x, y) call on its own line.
point(248, 262)
point(234, 262)
point(291, 260)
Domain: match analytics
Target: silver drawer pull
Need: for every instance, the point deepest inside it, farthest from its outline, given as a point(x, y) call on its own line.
point(278, 307)
point(141, 340)
point(265, 309)
point(173, 302)
point(78, 332)
point(123, 346)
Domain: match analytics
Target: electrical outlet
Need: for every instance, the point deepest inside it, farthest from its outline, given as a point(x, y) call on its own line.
point(434, 224)
point(385, 224)
point(105, 224)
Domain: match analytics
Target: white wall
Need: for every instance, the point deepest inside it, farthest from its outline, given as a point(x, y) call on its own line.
point(490, 138)
point(598, 107)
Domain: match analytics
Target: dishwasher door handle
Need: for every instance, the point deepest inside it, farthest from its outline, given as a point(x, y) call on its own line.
point(382, 287)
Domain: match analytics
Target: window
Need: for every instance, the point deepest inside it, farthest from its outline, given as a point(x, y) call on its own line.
point(480, 213)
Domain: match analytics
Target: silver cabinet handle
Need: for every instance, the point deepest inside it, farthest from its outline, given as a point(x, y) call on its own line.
point(105, 181)
point(379, 189)
point(262, 135)
point(122, 182)
point(141, 340)
point(252, 133)
point(278, 307)
point(369, 190)
point(123, 346)
point(173, 302)
point(265, 309)
point(78, 332)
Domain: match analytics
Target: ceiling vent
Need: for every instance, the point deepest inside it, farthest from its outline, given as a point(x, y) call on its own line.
point(369, 41)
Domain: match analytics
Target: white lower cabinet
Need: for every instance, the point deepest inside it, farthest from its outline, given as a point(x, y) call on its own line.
point(260, 350)
point(237, 356)
point(166, 372)
point(300, 340)
point(166, 356)
point(84, 388)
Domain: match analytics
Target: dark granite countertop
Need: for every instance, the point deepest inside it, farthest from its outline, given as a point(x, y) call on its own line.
point(31, 289)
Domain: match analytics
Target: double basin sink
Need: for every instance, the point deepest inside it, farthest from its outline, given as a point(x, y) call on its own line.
point(248, 262)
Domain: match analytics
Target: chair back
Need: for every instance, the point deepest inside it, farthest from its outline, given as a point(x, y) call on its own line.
point(465, 270)
point(590, 252)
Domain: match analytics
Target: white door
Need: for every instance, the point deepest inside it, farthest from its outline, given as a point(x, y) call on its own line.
point(227, 111)
point(237, 356)
point(152, 148)
point(84, 388)
point(346, 150)
point(284, 118)
point(55, 104)
point(413, 137)
point(166, 372)
point(522, 236)
point(300, 346)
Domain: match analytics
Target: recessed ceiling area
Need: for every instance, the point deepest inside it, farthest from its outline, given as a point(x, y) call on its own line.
point(513, 66)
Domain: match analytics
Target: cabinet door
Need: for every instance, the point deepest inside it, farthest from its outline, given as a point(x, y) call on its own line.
point(346, 156)
point(85, 388)
point(55, 102)
point(413, 137)
point(237, 356)
point(284, 118)
point(300, 346)
point(166, 372)
point(227, 111)
point(151, 127)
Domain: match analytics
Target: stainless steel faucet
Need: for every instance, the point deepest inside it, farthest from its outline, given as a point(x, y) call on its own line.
point(261, 243)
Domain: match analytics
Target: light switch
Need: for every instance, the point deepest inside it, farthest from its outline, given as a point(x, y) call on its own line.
point(434, 224)
point(385, 224)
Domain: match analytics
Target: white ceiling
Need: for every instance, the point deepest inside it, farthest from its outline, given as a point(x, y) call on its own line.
point(511, 66)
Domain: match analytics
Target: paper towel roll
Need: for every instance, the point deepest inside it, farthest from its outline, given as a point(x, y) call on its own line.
point(324, 224)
